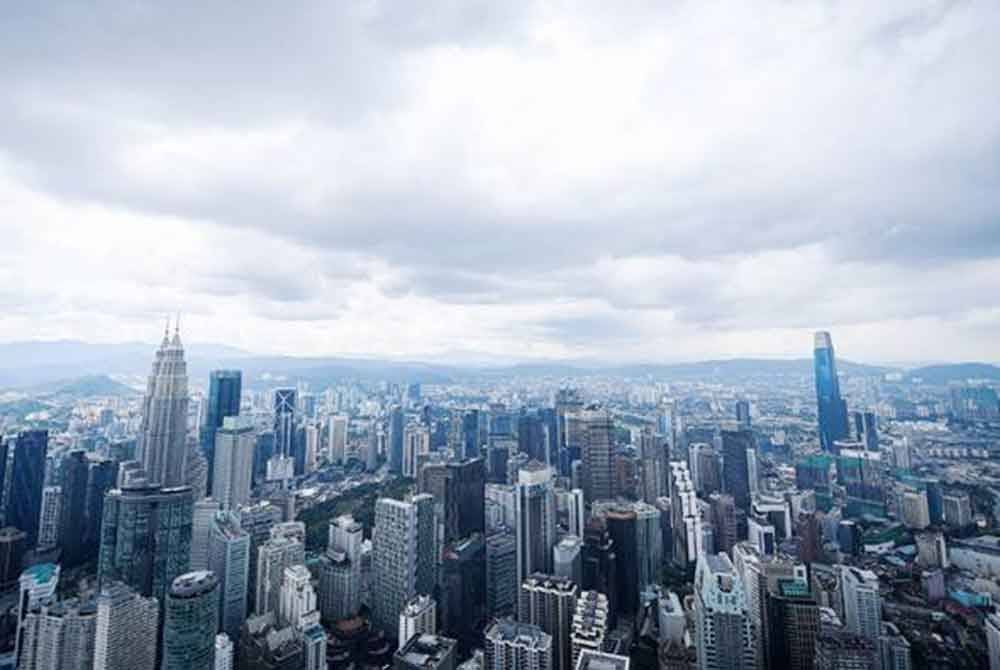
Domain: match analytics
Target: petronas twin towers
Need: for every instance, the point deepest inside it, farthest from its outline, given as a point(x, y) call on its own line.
point(162, 445)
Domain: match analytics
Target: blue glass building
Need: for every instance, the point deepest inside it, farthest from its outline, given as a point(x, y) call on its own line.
point(224, 390)
point(831, 408)
point(24, 505)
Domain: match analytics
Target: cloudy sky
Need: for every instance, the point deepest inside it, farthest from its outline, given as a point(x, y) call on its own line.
point(624, 180)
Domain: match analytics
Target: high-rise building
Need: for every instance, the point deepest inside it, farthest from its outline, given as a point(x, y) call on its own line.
point(74, 470)
point(724, 522)
point(202, 523)
point(831, 408)
point(895, 649)
point(101, 476)
point(162, 444)
point(58, 636)
point(840, 649)
point(549, 602)
point(37, 586)
point(501, 575)
point(736, 465)
point(273, 557)
point(24, 501)
point(298, 599)
point(567, 559)
point(535, 511)
point(146, 537)
point(190, 622)
point(685, 518)
point(511, 645)
point(225, 388)
point(590, 624)
point(865, 429)
point(992, 626)
point(459, 490)
point(229, 559)
point(339, 569)
point(793, 623)
point(284, 422)
point(49, 520)
point(724, 637)
point(471, 443)
point(635, 528)
point(426, 652)
point(416, 446)
point(396, 440)
point(462, 601)
point(914, 510)
point(223, 652)
point(403, 557)
point(743, 414)
point(596, 450)
point(264, 645)
point(862, 603)
point(235, 441)
point(127, 625)
point(337, 438)
point(957, 509)
point(13, 545)
point(418, 617)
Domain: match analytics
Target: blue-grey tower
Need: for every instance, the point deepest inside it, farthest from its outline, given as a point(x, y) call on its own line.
point(24, 504)
point(190, 622)
point(831, 408)
point(224, 390)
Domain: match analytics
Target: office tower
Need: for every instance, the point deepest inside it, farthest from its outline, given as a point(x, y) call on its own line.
point(396, 440)
point(190, 622)
point(501, 575)
point(146, 537)
point(866, 429)
point(743, 414)
point(724, 637)
point(73, 481)
point(462, 601)
point(839, 649)
point(196, 470)
point(724, 522)
point(337, 438)
point(576, 512)
point(229, 559)
point(426, 652)
point(600, 564)
point(403, 557)
point(459, 490)
point(596, 448)
point(223, 652)
point(339, 569)
point(202, 522)
point(313, 432)
point(162, 444)
point(535, 511)
point(418, 617)
point(297, 597)
point(992, 626)
point(225, 389)
point(567, 558)
point(13, 545)
point(273, 557)
point(127, 625)
point(470, 434)
point(735, 466)
point(831, 408)
point(531, 438)
point(416, 446)
point(37, 586)
point(895, 649)
point(24, 501)
point(635, 529)
point(511, 645)
point(685, 518)
point(759, 574)
point(914, 511)
point(51, 515)
point(262, 455)
point(590, 624)
point(264, 645)
point(58, 636)
point(257, 520)
point(284, 422)
point(549, 602)
point(130, 473)
point(860, 473)
point(705, 468)
point(957, 509)
point(862, 603)
point(235, 441)
point(902, 455)
point(793, 623)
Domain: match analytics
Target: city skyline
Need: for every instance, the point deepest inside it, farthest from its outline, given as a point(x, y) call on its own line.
point(505, 179)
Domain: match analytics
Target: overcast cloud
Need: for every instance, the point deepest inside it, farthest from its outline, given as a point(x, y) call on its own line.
point(627, 180)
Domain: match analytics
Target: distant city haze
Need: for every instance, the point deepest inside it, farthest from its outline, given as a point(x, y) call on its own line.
point(505, 181)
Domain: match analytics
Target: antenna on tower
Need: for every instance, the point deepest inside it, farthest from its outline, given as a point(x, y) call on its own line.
point(177, 326)
point(166, 328)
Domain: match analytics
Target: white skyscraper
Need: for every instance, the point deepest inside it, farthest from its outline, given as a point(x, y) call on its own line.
point(126, 630)
point(723, 635)
point(58, 636)
point(535, 516)
point(418, 617)
point(298, 599)
point(229, 559)
point(223, 652)
point(862, 603)
point(48, 522)
point(235, 442)
point(273, 557)
point(162, 442)
point(516, 646)
point(416, 444)
point(203, 518)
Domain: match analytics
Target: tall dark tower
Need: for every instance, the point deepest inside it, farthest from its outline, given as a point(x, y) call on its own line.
point(24, 504)
point(831, 408)
point(75, 471)
point(224, 390)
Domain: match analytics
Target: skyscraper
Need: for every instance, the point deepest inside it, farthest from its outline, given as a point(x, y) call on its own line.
point(396, 440)
point(793, 624)
point(284, 422)
point(235, 441)
point(590, 623)
point(24, 502)
point(511, 645)
point(127, 626)
point(549, 602)
point(223, 400)
point(403, 558)
point(426, 652)
point(146, 537)
point(190, 622)
point(736, 466)
point(501, 575)
point(298, 598)
point(273, 557)
point(724, 638)
point(831, 408)
point(223, 652)
point(59, 636)
point(48, 523)
point(162, 444)
point(418, 617)
point(597, 429)
point(416, 446)
point(535, 511)
point(337, 437)
point(229, 559)
point(862, 603)
point(74, 475)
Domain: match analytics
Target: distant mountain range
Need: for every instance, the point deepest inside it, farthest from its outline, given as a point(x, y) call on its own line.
point(87, 369)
